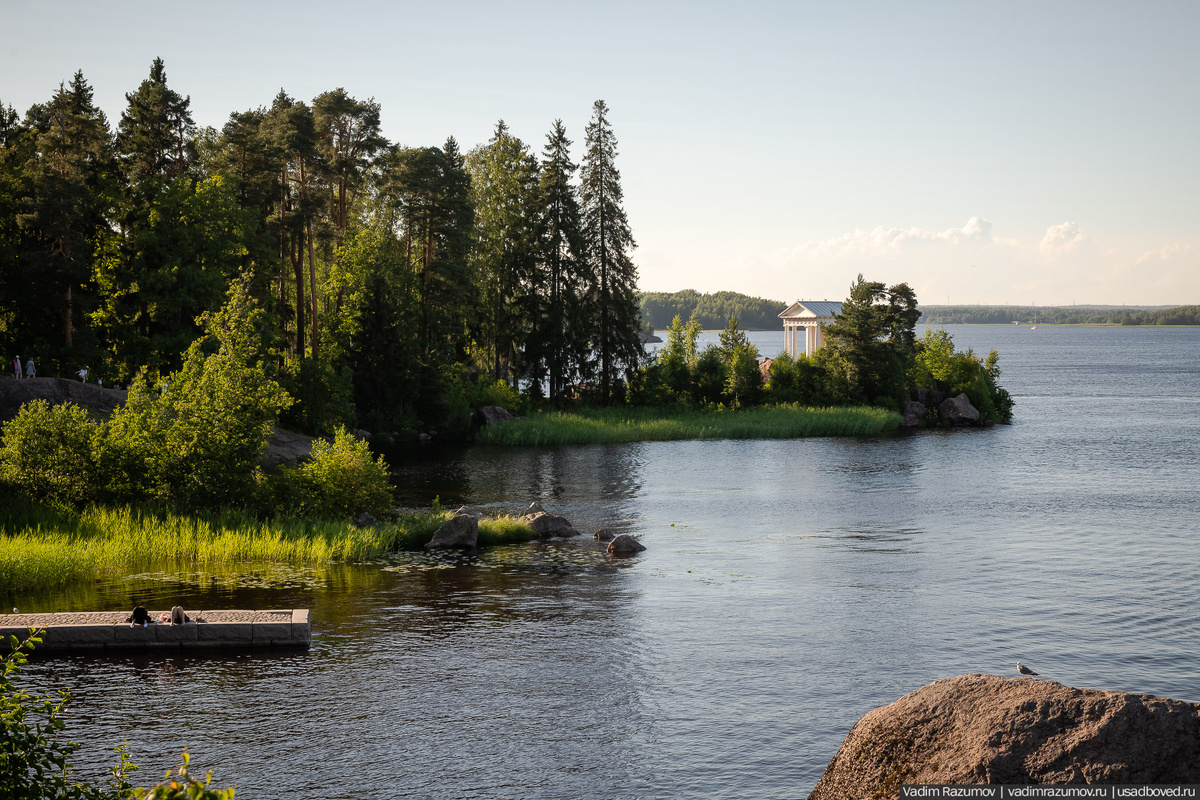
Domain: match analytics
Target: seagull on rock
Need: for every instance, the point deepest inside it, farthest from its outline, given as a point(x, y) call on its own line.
point(1024, 670)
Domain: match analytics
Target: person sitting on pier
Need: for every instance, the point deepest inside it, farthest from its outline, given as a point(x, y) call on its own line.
point(178, 617)
point(140, 617)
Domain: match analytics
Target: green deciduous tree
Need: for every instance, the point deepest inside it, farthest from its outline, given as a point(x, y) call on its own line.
point(609, 241)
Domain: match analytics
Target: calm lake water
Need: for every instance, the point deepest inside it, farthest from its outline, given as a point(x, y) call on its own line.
point(788, 588)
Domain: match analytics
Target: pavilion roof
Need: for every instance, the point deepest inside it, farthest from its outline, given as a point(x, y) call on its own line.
point(809, 309)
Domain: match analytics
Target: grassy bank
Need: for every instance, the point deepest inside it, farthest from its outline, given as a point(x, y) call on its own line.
point(609, 425)
point(44, 548)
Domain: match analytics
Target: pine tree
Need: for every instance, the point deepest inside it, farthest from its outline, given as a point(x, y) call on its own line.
point(609, 241)
point(154, 138)
point(559, 340)
point(72, 183)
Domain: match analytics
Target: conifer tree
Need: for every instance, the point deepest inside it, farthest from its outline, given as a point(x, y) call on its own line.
point(609, 241)
point(559, 340)
point(154, 138)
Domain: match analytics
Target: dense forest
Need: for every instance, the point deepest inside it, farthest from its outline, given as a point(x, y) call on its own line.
point(399, 284)
point(1060, 315)
point(712, 311)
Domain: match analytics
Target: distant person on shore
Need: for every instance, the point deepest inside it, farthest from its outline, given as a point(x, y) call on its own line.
point(82, 374)
point(178, 617)
point(16, 365)
point(30, 369)
point(140, 616)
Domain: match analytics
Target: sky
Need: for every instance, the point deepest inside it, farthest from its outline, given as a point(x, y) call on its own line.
point(1017, 153)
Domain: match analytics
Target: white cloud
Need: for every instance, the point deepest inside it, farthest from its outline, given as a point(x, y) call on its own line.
point(1062, 239)
point(1175, 252)
point(891, 241)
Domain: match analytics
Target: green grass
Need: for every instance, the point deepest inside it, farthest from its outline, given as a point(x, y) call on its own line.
point(46, 548)
point(609, 425)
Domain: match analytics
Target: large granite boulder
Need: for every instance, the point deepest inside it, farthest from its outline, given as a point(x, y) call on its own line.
point(930, 398)
point(604, 535)
point(976, 729)
point(624, 544)
point(548, 525)
point(490, 415)
point(460, 532)
point(958, 410)
point(913, 411)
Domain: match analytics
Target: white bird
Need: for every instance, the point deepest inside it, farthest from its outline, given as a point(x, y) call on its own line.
point(1024, 670)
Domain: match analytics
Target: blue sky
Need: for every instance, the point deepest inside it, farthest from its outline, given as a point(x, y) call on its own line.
point(984, 152)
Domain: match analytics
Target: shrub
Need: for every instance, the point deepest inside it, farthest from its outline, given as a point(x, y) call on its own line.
point(342, 479)
point(48, 452)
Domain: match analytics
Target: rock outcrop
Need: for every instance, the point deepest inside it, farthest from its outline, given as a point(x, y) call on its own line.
point(96, 399)
point(286, 448)
point(958, 410)
point(603, 535)
point(470, 511)
point(460, 532)
point(624, 544)
point(976, 729)
point(365, 519)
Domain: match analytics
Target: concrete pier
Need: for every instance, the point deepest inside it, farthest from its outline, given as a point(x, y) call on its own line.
point(99, 632)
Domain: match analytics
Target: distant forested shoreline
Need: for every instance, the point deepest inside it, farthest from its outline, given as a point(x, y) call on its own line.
point(1060, 315)
point(712, 311)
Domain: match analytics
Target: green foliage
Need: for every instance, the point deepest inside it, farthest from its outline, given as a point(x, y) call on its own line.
point(937, 365)
point(34, 764)
point(794, 380)
point(708, 378)
point(200, 435)
point(869, 345)
point(321, 395)
point(49, 452)
point(183, 786)
point(342, 479)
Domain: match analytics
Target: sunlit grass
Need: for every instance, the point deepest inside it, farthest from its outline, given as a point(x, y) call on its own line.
point(46, 548)
point(610, 425)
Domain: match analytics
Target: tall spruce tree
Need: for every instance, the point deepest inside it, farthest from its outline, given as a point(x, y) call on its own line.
point(609, 241)
point(559, 340)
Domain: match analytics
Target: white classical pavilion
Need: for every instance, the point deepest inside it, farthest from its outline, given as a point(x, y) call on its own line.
point(807, 316)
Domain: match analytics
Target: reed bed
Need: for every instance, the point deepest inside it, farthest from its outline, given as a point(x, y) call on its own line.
point(46, 548)
point(613, 425)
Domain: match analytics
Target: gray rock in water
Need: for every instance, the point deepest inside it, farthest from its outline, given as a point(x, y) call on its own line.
point(470, 512)
point(365, 520)
point(977, 729)
point(547, 525)
point(461, 532)
point(913, 411)
point(958, 410)
point(623, 544)
point(603, 535)
point(359, 433)
point(534, 508)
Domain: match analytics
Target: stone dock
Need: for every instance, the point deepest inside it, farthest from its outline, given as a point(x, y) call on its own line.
point(100, 632)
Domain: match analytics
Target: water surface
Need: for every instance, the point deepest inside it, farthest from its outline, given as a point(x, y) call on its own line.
point(788, 588)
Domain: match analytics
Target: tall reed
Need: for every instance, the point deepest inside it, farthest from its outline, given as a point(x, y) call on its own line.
point(611, 425)
point(43, 547)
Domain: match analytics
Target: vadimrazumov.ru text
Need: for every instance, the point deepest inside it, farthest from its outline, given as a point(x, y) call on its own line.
point(934, 792)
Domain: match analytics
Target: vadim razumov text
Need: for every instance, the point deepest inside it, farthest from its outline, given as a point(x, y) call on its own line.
point(932, 792)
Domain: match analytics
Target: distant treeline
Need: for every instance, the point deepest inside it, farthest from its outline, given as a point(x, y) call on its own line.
point(712, 311)
point(1060, 315)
